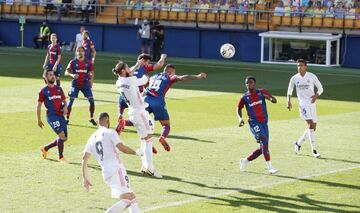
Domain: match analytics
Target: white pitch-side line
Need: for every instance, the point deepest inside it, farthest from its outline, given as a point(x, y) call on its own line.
point(179, 203)
point(234, 67)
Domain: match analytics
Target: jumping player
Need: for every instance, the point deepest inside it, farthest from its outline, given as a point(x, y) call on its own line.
point(53, 58)
point(82, 72)
point(105, 144)
point(128, 86)
point(305, 82)
point(53, 97)
point(140, 69)
point(254, 101)
point(155, 97)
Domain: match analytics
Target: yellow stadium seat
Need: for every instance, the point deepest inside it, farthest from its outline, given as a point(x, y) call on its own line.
point(349, 23)
point(328, 22)
point(230, 18)
point(317, 22)
point(222, 17)
point(182, 16)
point(276, 20)
point(173, 16)
point(286, 21)
point(240, 19)
point(357, 24)
point(338, 23)
point(307, 21)
point(136, 14)
point(191, 16)
point(127, 13)
point(201, 17)
point(164, 15)
point(295, 20)
point(211, 17)
point(7, 9)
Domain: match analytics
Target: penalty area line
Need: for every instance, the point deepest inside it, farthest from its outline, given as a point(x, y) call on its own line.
point(191, 200)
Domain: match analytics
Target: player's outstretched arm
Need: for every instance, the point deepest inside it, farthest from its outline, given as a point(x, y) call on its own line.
point(161, 62)
point(127, 150)
point(38, 114)
point(84, 163)
point(271, 98)
point(200, 76)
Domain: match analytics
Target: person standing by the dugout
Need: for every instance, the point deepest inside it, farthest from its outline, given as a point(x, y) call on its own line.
point(158, 42)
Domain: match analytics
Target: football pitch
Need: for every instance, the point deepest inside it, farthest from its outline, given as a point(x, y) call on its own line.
point(201, 173)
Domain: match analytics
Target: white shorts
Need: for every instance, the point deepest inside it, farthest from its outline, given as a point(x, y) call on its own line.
point(308, 112)
point(143, 123)
point(119, 183)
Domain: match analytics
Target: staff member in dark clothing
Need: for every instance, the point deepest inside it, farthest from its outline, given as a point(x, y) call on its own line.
point(158, 41)
point(43, 36)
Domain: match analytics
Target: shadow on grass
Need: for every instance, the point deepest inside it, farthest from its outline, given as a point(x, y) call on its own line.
point(327, 183)
point(277, 203)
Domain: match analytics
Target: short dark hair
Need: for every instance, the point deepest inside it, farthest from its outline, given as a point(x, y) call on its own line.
point(300, 60)
point(81, 48)
point(250, 77)
point(144, 56)
point(169, 66)
point(118, 67)
point(102, 116)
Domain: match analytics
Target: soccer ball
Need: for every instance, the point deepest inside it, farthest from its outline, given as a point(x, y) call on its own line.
point(227, 50)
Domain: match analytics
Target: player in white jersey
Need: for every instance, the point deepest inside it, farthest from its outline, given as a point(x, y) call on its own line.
point(128, 86)
point(104, 144)
point(305, 82)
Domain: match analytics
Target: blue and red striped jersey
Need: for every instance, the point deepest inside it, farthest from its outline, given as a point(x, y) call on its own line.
point(87, 44)
point(160, 84)
point(255, 105)
point(52, 98)
point(54, 51)
point(82, 68)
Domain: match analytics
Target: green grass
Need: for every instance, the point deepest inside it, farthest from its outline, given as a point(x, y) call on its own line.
point(201, 172)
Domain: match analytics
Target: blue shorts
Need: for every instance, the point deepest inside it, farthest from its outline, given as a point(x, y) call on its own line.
point(58, 69)
point(260, 132)
point(145, 42)
point(86, 90)
point(158, 107)
point(57, 123)
point(122, 102)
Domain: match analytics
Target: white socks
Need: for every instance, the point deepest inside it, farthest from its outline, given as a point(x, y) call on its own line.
point(147, 159)
point(312, 139)
point(303, 138)
point(134, 207)
point(119, 206)
point(268, 164)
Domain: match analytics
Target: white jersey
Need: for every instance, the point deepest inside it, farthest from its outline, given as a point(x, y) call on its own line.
point(102, 144)
point(304, 87)
point(129, 88)
point(79, 40)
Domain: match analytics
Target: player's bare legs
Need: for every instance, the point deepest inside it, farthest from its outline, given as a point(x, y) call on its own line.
point(69, 106)
point(91, 111)
point(164, 133)
point(59, 142)
point(127, 200)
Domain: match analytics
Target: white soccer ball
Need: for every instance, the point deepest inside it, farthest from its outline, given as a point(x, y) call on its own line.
point(227, 50)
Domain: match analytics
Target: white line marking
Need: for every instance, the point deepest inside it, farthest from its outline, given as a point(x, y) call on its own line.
point(179, 203)
point(234, 67)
